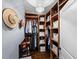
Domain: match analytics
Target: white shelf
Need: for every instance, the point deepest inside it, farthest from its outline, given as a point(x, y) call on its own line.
point(55, 37)
point(42, 49)
point(48, 18)
point(55, 24)
point(41, 26)
point(42, 19)
point(42, 42)
point(41, 34)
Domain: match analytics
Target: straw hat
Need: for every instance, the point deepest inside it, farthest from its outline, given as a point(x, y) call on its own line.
point(10, 17)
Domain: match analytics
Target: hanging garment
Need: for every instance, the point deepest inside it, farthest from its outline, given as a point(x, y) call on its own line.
point(47, 38)
point(34, 27)
point(29, 27)
point(26, 29)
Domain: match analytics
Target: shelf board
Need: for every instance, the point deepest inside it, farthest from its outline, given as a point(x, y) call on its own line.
point(54, 17)
point(55, 43)
point(31, 17)
point(55, 30)
point(61, 1)
point(62, 4)
point(54, 50)
point(42, 37)
point(41, 22)
point(42, 44)
point(47, 23)
point(43, 15)
point(31, 14)
point(55, 7)
point(41, 30)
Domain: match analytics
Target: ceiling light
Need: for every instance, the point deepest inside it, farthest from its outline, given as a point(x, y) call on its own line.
point(40, 4)
point(44, 3)
point(39, 9)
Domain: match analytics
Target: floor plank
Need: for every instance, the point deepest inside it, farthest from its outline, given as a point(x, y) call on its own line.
point(40, 55)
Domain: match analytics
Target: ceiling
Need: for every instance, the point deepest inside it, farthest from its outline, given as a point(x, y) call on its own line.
point(31, 9)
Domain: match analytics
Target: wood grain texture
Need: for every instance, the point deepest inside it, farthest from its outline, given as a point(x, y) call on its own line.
point(40, 55)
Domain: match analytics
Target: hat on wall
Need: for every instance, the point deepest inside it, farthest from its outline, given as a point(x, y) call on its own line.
point(22, 23)
point(10, 17)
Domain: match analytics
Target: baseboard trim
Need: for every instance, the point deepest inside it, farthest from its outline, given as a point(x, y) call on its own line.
point(65, 51)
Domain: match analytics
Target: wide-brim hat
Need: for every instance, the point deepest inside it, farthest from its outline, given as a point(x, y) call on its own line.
point(10, 17)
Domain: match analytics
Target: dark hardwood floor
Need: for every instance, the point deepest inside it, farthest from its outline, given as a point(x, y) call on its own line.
point(40, 55)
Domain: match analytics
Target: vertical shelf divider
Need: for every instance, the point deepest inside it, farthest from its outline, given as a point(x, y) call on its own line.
point(38, 33)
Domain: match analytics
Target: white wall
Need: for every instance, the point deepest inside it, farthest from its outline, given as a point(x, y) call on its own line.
point(69, 31)
point(11, 38)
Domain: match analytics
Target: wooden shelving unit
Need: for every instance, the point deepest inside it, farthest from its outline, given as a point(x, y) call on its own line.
point(41, 38)
point(54, 14)
point(55, 44)
point(51, 20)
